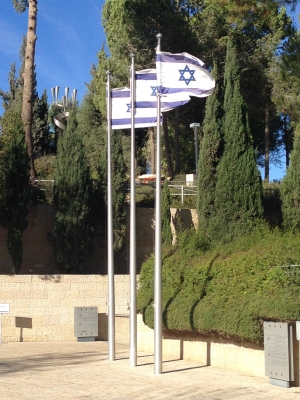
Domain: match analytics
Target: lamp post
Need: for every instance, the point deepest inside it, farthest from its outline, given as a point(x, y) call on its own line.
point(195, 126)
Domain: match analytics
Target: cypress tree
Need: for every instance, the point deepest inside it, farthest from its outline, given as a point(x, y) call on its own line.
point(73, 227)
point(14, 184)
point(40, 127)
point(92, 126)
point(119, 190)
point(238, 198)
point(166, 233)
point(210, 153)
point(290, 190)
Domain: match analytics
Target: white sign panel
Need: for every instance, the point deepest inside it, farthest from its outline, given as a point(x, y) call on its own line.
point(4, 308)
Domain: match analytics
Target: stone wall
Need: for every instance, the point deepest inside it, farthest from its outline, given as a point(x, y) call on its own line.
point(42, 306)
point(42, 309)
point(229, 354)
point(38, 255)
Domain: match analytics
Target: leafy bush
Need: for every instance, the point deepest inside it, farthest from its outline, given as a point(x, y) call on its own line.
point(227, 289)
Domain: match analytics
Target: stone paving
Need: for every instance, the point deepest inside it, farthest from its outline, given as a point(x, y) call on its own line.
point(60, 371)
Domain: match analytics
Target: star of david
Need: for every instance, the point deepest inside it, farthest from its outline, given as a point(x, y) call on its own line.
point(154, 90)
point(183, 78)
point(128, 107)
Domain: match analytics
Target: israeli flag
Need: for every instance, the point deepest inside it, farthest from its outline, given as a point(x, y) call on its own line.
point(147, 89)
point(183, 73)
point(145, 116)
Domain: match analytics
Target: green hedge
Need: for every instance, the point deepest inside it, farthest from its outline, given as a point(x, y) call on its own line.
point(226, 289)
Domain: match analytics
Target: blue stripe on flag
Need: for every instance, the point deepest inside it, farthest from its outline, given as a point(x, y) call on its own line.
point(178, 58)
point(146, 77)
point(165, 90)
point(164, 104)
point(127, 121)
point(120, 94)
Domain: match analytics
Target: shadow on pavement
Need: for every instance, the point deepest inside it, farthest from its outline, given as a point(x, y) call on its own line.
point(45, 362)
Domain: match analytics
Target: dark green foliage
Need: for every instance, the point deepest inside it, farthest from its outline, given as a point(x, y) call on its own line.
point(238, 196)
point(90, 125)
point(119, 190)
point(74, 224)
point(290, 190)
point(12, 98)
point(14, 185)
point(210, 153)
point(272, 204)
point(20, 5)
point(171, 280)
point(227, 289)
point(166, 233)
point(40, 128)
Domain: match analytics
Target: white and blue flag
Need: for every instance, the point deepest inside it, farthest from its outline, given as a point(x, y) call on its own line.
point(145, 102)
point(147, 89)
point(183, 73)
point(121, 111)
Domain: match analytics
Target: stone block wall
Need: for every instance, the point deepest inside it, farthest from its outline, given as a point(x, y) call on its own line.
point(42, 309)
point(228, 354)
point(38, 254)
point(42, 306)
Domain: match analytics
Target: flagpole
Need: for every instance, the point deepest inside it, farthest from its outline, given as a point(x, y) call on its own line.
point(110, 250)
point(133, 319)
point(158, 267)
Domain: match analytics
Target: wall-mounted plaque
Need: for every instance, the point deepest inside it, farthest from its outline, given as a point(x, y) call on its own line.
point(278, 351)
point(4, 308)
point(85, 322)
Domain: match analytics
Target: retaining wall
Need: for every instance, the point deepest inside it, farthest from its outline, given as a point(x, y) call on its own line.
point(42, 309)
point(44, 306)
point(38, 254)
point(211, 350)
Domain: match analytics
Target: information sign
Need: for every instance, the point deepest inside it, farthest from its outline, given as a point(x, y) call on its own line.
point(85, 321)
point(278, 360)
point(4, 308)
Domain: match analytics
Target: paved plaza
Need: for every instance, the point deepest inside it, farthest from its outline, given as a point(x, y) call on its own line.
point(59, 371)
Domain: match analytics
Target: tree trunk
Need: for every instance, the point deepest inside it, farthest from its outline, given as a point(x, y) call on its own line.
point(167, 146)
point(177, 143)
point(267, 144)
point(27, 104)
point(152, 150)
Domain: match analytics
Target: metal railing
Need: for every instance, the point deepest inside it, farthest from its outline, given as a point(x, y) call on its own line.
point(183, 190)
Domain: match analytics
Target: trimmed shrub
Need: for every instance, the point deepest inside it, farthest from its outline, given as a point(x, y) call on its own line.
point(227, 289)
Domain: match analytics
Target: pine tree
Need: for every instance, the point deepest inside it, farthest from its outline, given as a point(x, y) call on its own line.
point(73, 227)
point(14, 184)
point(290, 190)
point(210, 153)
point(238, 197)
point(166, 233)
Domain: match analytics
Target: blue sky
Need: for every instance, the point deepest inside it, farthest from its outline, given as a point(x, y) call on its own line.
point(70, 34)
